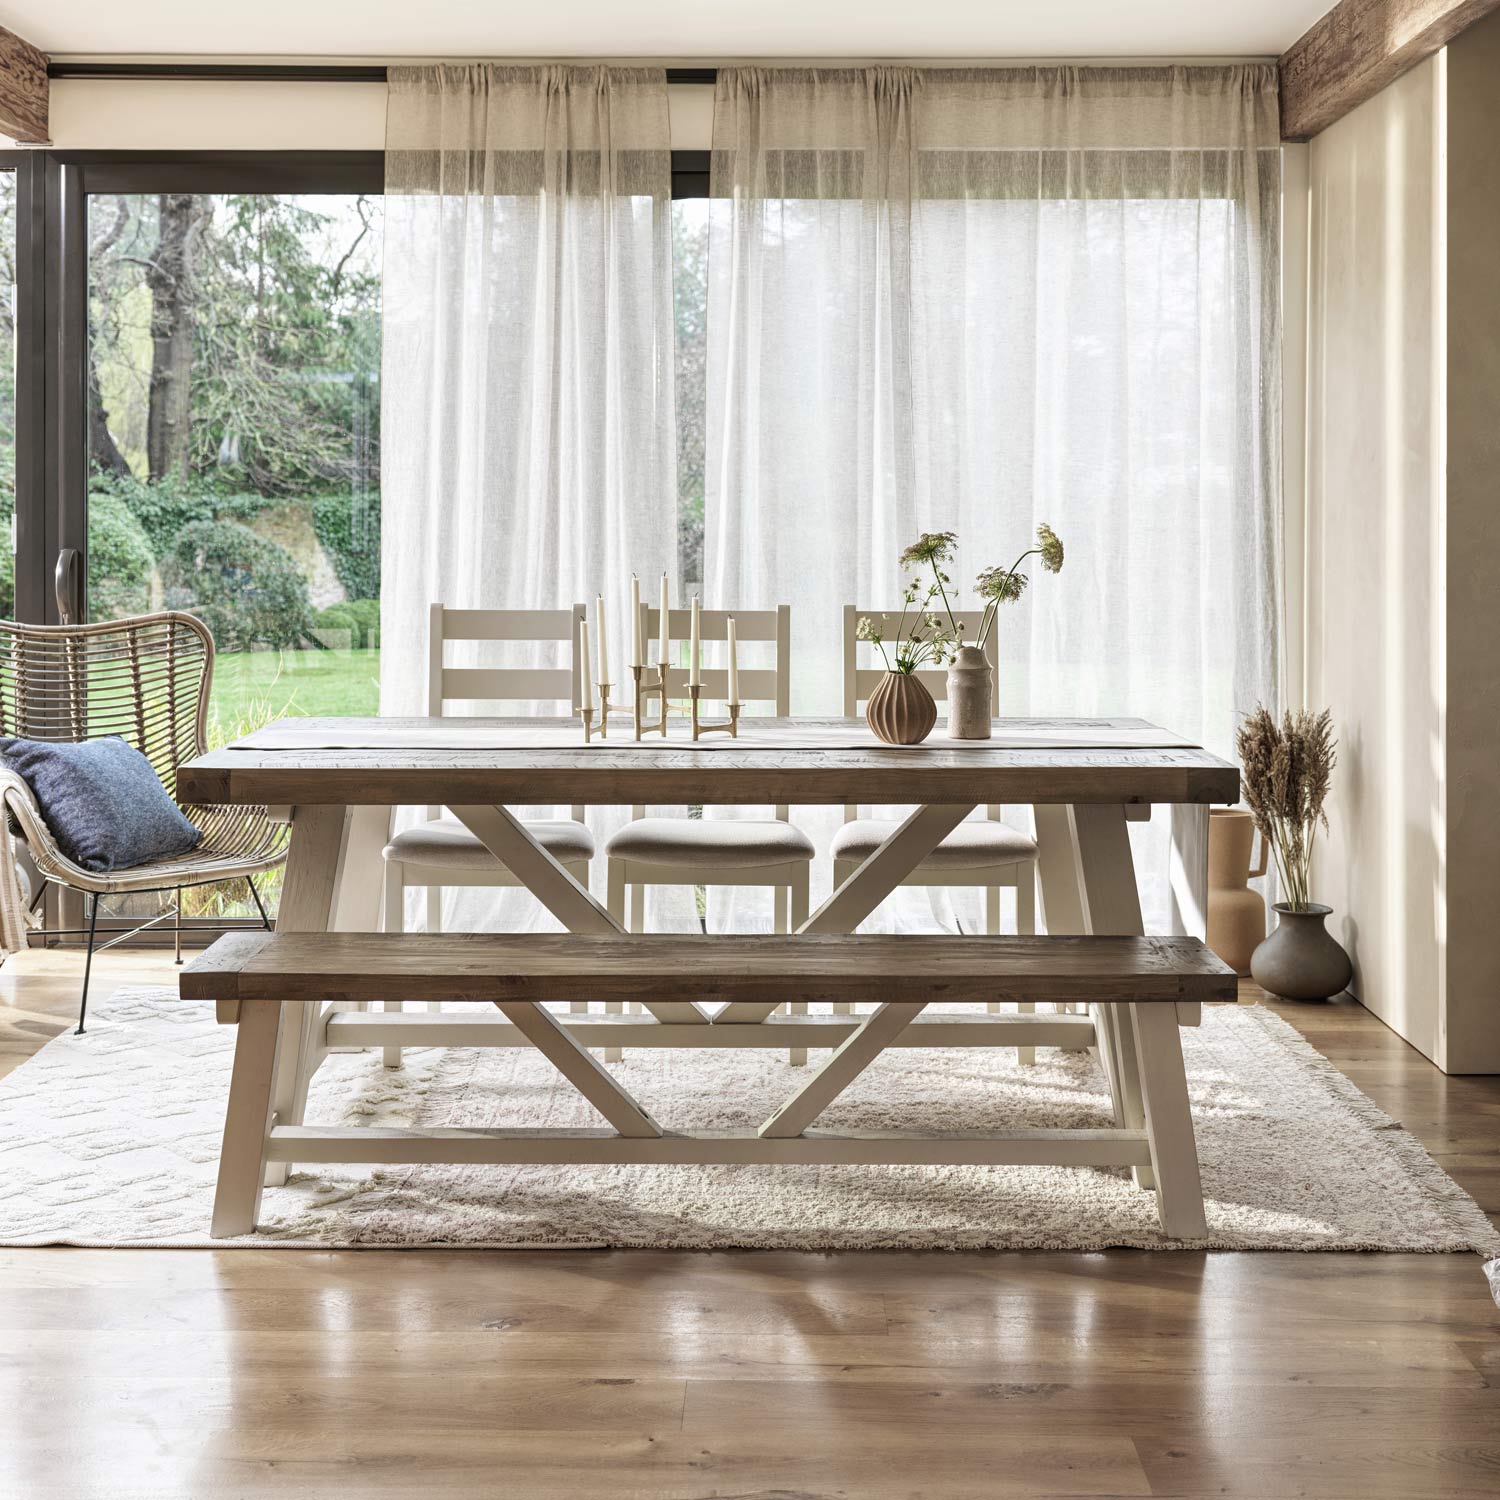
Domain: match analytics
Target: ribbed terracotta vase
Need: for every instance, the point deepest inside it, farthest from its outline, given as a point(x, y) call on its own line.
point(901, 710)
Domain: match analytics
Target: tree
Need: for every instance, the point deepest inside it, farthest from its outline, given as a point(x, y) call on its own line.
point(288, 330)
point(264, 334)
point(172, 275)
point(104, 453)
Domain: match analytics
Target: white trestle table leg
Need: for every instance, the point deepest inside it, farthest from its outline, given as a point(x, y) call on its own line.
point(1088, 885)
point(507, 838)
point(1112, 907)
point(316, 863)
point(904, 848)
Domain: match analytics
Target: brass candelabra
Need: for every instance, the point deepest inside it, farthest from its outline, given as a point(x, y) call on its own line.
point(645, 687)
point(729, 726)
point(606, 708)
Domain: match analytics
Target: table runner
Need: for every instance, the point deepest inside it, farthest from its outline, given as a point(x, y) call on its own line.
point(297, 735)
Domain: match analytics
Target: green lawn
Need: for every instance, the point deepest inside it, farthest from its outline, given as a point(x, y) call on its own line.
point(253, 687)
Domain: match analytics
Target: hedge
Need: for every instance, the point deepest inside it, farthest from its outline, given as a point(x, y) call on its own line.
point(120, 560)
point(348, 526)
point(245, 588)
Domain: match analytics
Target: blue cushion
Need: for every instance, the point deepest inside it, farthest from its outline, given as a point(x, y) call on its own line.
point(106, 807)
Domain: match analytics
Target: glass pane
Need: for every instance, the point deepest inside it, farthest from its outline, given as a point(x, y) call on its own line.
point(233, 432)
point(7, 394)
point(234, 436)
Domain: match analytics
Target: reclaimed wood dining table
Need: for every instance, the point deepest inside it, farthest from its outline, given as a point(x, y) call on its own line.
point(338, 781)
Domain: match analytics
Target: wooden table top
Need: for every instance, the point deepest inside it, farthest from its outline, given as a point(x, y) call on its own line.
point(1047, 768)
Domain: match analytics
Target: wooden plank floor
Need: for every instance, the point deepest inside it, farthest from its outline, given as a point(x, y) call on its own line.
point(199, 1374)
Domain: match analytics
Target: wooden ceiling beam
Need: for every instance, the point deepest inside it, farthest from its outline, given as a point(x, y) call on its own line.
point(1357, 49)
point(23, 91)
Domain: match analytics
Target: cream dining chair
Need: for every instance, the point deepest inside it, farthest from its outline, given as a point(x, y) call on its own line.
point(985, 852)
point(717, 851)
point(440, 852)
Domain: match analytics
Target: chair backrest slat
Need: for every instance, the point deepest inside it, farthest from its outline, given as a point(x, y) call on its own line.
point(771, 684)
point(448, 685)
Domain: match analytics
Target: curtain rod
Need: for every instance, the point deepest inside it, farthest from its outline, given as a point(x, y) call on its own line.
point(278, 72)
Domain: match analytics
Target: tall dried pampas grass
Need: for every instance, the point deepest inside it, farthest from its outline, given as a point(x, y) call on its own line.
point(1285, 771)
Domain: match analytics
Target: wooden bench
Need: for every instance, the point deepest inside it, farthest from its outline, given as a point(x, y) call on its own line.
point(1132, 984)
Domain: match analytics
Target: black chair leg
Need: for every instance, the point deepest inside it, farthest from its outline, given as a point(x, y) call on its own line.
point(88, 962)
point(177, 925)
point(265, 921)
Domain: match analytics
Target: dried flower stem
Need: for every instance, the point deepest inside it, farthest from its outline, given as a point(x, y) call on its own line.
point(1286, 772)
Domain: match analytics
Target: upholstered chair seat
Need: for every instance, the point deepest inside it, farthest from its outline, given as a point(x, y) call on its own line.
point(446, 843)
point(971, 846)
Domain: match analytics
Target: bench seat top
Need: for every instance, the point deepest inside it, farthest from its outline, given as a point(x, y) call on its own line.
point(541, 967)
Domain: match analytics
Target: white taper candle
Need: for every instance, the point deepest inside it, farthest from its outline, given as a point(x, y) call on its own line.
point(635, 621)
point(695, 649)
point(604, 676)
point(734, 664)
point(586, 685)
point(666, 625)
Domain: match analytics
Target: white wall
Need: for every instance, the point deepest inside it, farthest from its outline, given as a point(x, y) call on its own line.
point(1374, 544)
point(1403, 542)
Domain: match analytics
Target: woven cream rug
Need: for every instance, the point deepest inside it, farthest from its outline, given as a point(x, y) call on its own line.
point(112, 1139)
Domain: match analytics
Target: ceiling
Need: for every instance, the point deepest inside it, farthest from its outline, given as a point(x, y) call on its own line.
point(668, 29)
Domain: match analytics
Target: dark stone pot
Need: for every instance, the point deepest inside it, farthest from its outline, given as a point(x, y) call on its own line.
point(1301, 960)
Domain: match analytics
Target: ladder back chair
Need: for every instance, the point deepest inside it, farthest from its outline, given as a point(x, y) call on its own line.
point(727, 852)
point(440, 852)
point(985, 853)
point(147, 679)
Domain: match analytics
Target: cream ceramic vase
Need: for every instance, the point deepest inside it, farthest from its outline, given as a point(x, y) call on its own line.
point(970, 694)
point(901, 710)
point(1236, 914)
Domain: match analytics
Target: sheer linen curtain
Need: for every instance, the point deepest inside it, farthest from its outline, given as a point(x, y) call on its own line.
point(528, 437)
point(974, 300)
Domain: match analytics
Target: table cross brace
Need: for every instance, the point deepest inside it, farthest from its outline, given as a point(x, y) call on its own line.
point(878, 1030)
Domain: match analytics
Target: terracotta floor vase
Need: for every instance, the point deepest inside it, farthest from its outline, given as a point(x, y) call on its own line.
point(1236, 914)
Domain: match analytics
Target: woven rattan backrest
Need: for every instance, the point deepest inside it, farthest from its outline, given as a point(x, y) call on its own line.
point(145, 679)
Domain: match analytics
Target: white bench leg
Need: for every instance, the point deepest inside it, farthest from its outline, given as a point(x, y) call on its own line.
point(992, 927)
point(320, 893)
point(620, 909)
point(796, 903)
point(1169, 1120)
point(247, 1118)
point(395, 921)
point(1026, 925)
point(1125, 1088)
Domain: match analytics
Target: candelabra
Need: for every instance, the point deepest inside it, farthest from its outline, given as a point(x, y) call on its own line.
point(729, 726)
point(645, 687)
point(606, 708)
